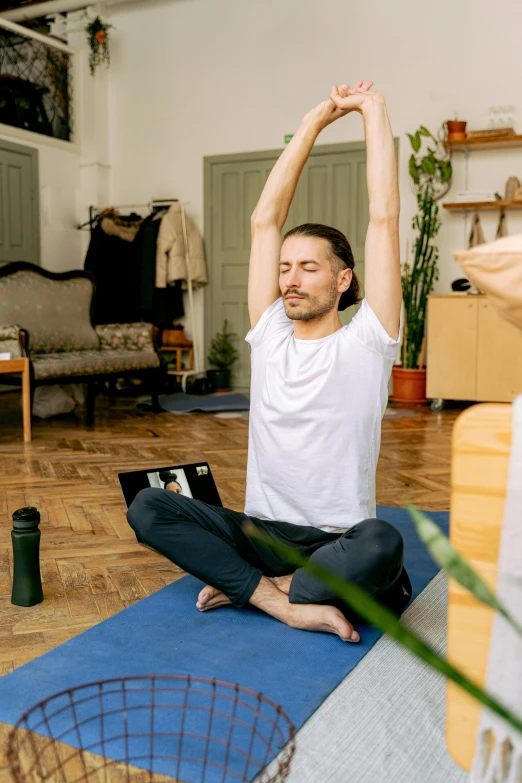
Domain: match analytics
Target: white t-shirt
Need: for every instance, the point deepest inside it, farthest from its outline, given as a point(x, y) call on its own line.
point(315, 420)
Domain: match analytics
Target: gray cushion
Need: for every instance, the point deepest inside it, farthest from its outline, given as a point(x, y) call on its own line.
point(58, 365)
point(56, 313)
point(131, 337)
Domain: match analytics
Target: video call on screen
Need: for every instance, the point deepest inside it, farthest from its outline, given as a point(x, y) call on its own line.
point(193, 480)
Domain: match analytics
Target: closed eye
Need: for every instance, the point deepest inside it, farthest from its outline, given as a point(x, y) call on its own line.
point(306, 268)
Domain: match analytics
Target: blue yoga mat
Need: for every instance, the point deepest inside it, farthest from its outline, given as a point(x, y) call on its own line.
point(165, 634)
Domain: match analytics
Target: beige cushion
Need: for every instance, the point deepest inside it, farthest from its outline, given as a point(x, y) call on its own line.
point(10, 340)
point(56, 313)
point(496, 269)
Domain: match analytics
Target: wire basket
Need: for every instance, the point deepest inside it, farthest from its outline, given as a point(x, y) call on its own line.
point(150, 729)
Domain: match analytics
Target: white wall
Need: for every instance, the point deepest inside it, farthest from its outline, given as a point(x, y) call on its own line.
point(205, 77)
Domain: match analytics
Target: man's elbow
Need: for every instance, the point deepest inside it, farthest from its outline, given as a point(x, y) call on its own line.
point(384, 216)
point(263, 219)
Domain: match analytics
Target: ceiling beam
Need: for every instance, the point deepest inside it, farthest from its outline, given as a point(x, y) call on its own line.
point(34, 10)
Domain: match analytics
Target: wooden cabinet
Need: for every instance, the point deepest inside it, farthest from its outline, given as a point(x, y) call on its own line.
point(473, 354)
point(499, 356)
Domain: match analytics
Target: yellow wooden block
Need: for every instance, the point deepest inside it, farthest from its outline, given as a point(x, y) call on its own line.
point(479, 472)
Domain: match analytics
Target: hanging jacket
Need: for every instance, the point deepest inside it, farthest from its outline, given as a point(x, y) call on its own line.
point(113, 261)
point(158, 306)
point(145, 244)
point(170, 252)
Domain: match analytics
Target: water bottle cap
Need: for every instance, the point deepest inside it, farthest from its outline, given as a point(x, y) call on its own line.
point(26, 518)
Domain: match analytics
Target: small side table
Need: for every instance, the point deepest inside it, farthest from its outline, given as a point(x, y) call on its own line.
point(21, 365)
point(175, 348)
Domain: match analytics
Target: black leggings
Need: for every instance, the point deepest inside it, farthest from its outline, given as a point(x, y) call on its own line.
point(209, 542)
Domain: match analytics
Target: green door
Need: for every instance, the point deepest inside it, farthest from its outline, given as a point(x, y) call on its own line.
point(19, 217)
point(332, 190)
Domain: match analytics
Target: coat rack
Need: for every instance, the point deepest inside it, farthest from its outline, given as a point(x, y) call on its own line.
point(153, 204)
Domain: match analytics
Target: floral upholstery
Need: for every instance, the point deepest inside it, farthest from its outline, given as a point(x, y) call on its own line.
point(62, 341)
point(130, 337)
point(61, 365)
point(10, 341)
point(56, 313)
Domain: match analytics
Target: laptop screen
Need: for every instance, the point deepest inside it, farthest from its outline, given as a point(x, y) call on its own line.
point(194, 481)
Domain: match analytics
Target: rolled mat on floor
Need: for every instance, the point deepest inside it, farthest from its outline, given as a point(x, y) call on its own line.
point(212, 403)
point(165, 634)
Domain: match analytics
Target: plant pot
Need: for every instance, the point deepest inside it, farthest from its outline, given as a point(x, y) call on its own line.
point(456, 130)
point(219, 380)
point(409, 386)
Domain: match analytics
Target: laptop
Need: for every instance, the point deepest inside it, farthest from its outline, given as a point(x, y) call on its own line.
point(194, 481)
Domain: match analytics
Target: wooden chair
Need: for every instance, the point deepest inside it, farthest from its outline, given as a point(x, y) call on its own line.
point(175, 345)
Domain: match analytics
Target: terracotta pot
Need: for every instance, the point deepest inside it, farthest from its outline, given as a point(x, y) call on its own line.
point(456, 130)
point(409, 386)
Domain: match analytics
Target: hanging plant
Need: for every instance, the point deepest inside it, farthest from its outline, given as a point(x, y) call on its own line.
point(98, 33)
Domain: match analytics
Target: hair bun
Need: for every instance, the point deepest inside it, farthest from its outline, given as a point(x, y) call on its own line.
point(167, 476)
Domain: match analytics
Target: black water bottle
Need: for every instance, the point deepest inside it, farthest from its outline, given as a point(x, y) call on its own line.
point(27, 583)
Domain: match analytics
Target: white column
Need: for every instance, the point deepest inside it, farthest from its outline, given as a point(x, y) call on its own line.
point(90, 113)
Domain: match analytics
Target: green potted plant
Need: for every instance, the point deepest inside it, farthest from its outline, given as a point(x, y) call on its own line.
point(223, 356)
point(430, 172)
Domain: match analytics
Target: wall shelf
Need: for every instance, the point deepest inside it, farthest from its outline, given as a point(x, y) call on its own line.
point(477, 206)
point(493, 143)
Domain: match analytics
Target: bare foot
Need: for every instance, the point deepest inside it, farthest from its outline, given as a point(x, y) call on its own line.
point(315, 617)
point(211, 598)
point(307, 617)
point(282, 582)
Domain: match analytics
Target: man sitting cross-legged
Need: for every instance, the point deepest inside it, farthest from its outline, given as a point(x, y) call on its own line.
point(318, 394)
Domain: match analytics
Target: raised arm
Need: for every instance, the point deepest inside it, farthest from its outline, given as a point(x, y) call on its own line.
point(272, 209)
point(382, 269)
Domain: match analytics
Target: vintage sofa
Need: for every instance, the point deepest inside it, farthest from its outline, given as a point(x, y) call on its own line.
point(46, 316)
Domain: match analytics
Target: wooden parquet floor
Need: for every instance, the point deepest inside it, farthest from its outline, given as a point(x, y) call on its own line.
point(91, 565)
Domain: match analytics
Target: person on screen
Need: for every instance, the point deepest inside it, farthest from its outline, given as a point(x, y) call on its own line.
point(170, 481)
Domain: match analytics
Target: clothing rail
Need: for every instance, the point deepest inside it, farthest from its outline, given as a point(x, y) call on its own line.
point(94, 211)
point(153, 204)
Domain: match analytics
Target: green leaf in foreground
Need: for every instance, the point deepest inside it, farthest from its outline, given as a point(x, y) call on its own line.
point(441, 550)
point(384, 619)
